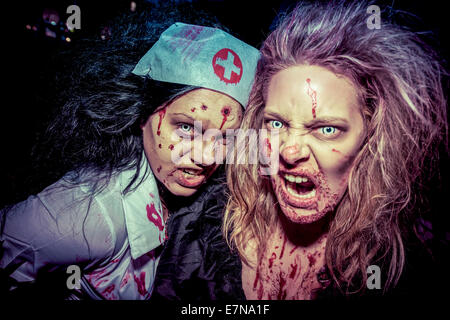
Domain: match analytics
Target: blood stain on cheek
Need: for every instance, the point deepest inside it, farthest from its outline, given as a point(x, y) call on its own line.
point(268, 147)
point(159, 169)
point(226, 111)
point(161, 114)
point(313, 95)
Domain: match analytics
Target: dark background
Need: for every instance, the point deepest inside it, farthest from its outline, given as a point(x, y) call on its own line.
point(29, 90)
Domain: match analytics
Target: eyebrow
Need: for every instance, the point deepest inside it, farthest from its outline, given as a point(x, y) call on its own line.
point(313, 122)
point(205, 122)
point(325, 120)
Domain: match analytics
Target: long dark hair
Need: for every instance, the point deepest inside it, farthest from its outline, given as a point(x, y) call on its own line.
point(97, 128)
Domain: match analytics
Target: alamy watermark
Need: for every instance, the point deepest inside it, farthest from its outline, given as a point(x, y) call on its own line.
point(74, 20)
point(73, 281)
point(239, 146)
point(374, 20)
point(374, 279)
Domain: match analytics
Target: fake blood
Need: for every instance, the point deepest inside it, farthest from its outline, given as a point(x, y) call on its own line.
point(268, 147)
point(313, 95)
point(282, 293)
point(255, 283)
point(273, 257)
point(140, 282)
point(204, 107)
point(171, 147)
point(109, 289)
point(293, 271)
point(225, 113)
point(282, 249)
point(154, 217)
point(161, 114)
point(193, 110)
point(311, 260)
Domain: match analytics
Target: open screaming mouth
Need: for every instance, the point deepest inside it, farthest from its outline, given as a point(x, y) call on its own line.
point(298, 191)
point(300, 186)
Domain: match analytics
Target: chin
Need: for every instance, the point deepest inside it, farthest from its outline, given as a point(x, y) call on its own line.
point(300, 215)
point(181, 191)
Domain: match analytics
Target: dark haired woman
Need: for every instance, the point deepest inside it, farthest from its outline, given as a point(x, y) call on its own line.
point(124, 146)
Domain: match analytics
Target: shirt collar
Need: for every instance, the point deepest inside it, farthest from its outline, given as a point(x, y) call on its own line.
point(143, 211)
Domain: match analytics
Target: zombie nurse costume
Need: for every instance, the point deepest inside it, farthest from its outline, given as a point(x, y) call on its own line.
point(115, 240)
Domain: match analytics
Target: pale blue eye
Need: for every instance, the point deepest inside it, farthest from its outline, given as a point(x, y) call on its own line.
point(185, 127)
point(277, 124)
point(328, 130)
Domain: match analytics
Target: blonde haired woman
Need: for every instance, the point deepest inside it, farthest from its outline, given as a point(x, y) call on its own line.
point(359, 114)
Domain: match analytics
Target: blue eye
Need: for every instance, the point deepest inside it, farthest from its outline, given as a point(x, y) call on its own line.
point(185, 127)
point(277, 124)
point(328, 130)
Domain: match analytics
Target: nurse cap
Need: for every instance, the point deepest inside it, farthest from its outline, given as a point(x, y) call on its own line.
point(203, 57)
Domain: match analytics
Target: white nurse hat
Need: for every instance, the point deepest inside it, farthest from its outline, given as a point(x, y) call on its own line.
point(203, 57)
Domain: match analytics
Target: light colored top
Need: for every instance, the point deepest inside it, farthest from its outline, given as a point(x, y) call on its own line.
point(113, 238)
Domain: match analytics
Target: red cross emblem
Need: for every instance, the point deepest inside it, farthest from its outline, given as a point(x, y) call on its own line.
point(227, 66)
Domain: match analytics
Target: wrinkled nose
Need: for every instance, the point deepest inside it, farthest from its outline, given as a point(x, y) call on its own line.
point(295, 150)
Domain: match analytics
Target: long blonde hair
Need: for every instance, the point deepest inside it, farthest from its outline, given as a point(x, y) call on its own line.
point(404, 109)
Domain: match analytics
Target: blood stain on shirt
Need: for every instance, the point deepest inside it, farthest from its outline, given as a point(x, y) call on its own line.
point(204, 108)
point(171, 147)
point(140, 282)
point(154, 217)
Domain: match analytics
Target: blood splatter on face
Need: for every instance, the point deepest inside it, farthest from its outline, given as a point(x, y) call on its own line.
point(311, 169)
point(226, 111)
point(161, 114)
point(268, 147)
point(313, 94)
point(164, 130)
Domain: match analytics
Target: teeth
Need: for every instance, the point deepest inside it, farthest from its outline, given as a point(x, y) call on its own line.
point(190, 173)
point(295, 179)
point(310, 194)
